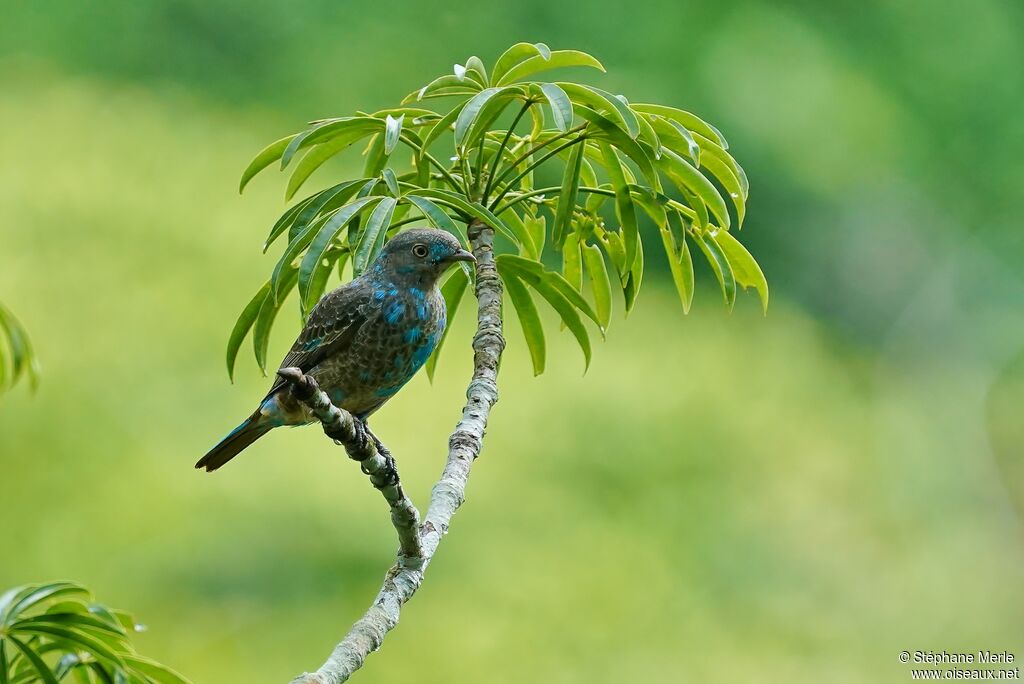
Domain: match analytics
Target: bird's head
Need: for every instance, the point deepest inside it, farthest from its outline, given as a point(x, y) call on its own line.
point(421, 255)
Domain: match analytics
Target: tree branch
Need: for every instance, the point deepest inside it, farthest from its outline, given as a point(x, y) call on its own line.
point(464, 445)
point(362, 446)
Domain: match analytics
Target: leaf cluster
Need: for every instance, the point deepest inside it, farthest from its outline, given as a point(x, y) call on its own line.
point(54, 632)
point(474, 145)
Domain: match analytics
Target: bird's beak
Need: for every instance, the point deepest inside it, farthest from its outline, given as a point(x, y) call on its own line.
point(462, 255)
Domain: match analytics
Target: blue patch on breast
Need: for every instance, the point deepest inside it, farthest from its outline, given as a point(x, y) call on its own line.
point(393, 312)
point(413, 334)
point(423, 352)
point(337, 396)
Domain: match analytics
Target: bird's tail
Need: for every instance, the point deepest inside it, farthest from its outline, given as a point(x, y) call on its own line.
point(237, 440)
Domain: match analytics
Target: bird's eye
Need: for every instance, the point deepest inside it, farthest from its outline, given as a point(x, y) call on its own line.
point(420, 251)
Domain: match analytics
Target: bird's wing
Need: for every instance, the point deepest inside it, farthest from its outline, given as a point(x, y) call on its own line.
point(329, 330)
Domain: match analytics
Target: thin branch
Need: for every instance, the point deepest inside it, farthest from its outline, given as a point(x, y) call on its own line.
point(430, 158)
point(501, 150)
point(362, 446)
point(510, 167)
point(532, 166)
point(464, 445)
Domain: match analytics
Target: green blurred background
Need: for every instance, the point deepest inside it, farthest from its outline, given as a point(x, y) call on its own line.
point(722, 498)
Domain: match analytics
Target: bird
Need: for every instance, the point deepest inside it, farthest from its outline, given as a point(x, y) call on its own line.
point(363, 341)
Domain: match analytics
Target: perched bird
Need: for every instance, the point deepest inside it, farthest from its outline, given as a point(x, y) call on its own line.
point(364, 340)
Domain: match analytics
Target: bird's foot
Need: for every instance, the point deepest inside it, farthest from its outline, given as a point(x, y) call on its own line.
point(388, 475)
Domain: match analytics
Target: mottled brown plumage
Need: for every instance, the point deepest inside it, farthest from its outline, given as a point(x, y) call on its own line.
point(364, 340)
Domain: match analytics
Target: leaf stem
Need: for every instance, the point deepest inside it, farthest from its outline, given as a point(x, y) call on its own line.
point(444, 172)
point(534, 165)
point(501, 150)
point(510, 167)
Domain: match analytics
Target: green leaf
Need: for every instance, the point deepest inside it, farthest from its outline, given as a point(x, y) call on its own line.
point(720, 265)
point(78, 639)
point(376, 157)
point(438, 217)
point(632, 286)
point(690, 180)
point(529, 320)
point(321, 274)
point(287, 219)
point(744, 267)
point(572, 263)
point(536, 228)
point(444, 84)
point(17, 341)
point(688, 120)
point(536, 125)
point(527, 246)
point(533, 270)
point(419, 115)
point(469, 209)
point(298, 244)
point(710, 148)
point(469, 114)
point(649, 136)
point(517, 54)
point(442, 125)
point(267, 156)
point(303, 213)
point(372, 236)
point(488, 114)
point(476, 70)
point(679, 261)
point(692, 148)
point(538, 63)
point(392, 182)
point(543, 282)
point(392, 131)
point(606, 130)
point(600, 283)
point(624, 209)
point(330, 230)
point(604, 102)
point(300, 141)
point(30, 596)
point(268, 312)
point(81, 620)
point(561, 105)
point(452, 290)
point(316, 157)
point(45, 673)
point(567, 195)
point(101, 674)
point(729, 181)
point(153, 670)
point(332, 128)
point(11, 596)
